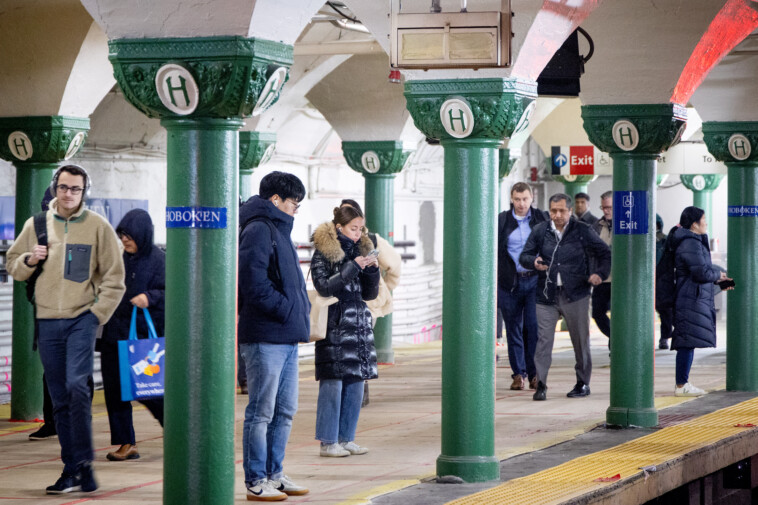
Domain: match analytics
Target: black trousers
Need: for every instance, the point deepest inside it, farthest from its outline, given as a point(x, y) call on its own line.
point(667, 322)
point(601, 304)
point(120, 413)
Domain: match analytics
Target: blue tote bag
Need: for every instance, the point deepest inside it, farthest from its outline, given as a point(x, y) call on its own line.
point(141, 362)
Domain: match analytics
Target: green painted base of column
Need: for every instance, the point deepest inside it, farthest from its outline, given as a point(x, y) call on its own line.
point(643, 418)
point(201, 292)
point(383, 340)
point(470, 469)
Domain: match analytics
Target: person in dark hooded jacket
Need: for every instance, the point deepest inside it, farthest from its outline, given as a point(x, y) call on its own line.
point(274, 317)
point(342, 267)
point(145, 267)
point(694, 311)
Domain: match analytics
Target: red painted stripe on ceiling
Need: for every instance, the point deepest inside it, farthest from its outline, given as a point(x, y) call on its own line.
point(555, 21)
point(735, 21)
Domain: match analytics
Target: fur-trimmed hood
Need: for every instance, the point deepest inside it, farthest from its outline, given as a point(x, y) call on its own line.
point(325, 240)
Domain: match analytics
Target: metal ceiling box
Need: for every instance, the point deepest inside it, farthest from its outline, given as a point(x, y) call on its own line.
point(451, 39)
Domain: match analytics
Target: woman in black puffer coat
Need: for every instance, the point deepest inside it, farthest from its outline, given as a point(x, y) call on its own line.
point(341, 267)
point(145, 267)
point(694, 311)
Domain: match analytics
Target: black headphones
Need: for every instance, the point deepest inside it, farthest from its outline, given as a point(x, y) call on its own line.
point(69, 168)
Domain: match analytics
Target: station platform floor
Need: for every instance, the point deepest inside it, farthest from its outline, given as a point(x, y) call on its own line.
point(400, 426)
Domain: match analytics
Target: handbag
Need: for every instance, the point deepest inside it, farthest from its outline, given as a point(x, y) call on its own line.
point(319, 314)
point(141, 362)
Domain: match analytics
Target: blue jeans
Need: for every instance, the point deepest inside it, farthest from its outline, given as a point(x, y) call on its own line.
point(67, 350)
point(272, 389)
point(519, 308)
point(683, 364)
point(339, 405)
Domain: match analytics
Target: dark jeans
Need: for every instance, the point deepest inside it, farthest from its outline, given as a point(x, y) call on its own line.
point(519, 308)
point(119, 412)
point(667, 323)
point(601, 304)
point(683, 364)
point(67, 348)
point(241, 373)
point(47, 402)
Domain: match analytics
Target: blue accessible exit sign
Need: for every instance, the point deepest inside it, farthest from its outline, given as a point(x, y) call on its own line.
point(631, 213)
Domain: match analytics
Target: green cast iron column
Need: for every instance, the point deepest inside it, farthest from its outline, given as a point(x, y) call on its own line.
point(702, 187)
point(634, 135)
point(379, 162)
point(256, 148)
point(573, 184)
point(471, 118)
point(35, 145)
point(736, 144)
point(201, 89)
point(201, 312)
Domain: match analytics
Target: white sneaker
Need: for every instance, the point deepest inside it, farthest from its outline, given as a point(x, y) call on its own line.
point(333, 451)
point(263, 490)
point(354, 448)
point(688, 390)
point(287, 486)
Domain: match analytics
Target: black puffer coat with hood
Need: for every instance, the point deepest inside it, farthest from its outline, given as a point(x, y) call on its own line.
point(145, 273)
point(348, 350)
point(694, 311)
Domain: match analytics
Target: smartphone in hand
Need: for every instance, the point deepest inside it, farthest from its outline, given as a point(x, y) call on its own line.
point(726, 283)
point(373, 254)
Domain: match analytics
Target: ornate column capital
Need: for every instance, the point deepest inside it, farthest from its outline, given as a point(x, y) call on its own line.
point(256, 148)
point(732, 141)
point(637, 129)
point(506, 163)
point(375, 158)
point(483, 109)
point(200, 77)
point(701, 182)
point(41, 139)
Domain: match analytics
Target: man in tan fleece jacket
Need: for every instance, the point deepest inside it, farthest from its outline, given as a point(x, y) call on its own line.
point(81, 283)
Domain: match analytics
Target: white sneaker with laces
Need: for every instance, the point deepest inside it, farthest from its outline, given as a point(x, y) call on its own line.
point(288, 486)
point(688, 390)
point(333, 451)
point(354, 448)
point(263, 490)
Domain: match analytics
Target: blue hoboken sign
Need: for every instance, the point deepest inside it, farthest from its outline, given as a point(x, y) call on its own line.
point(195, 217)
point(630, 213)
point(743, 211)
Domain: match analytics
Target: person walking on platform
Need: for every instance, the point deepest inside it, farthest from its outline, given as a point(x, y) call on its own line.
point(582, 209)
point(79, 288)
point(664, 304)
point(517, 286)
point(562, 250)
point(343, 266)
point(694, 310)
point(145, 266)
point(601, 294)
point(274, 317)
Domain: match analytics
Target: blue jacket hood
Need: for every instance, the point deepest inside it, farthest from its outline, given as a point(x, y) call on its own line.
point(137, 224)
point(256, 206)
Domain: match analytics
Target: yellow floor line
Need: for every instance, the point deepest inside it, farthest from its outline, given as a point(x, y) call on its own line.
point(578, 476)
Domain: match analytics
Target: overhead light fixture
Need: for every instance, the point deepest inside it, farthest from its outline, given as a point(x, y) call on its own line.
point(450, 39)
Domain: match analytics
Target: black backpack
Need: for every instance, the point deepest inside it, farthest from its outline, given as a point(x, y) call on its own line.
point(665, 275)
point(40, 228)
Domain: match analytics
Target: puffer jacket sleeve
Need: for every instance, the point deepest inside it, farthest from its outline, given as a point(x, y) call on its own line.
point(370, 283)
point(692, 253)
point(326, 283)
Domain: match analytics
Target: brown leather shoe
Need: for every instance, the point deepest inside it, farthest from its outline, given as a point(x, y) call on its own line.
point(518, 383)
point(126, 451)
point(533, 383)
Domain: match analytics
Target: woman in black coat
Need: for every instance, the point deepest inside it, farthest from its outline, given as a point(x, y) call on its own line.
point(342, 267)
point(145, 266)
point(694, 311)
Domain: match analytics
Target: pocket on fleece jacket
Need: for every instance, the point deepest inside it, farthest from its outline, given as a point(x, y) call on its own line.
point(77, 261)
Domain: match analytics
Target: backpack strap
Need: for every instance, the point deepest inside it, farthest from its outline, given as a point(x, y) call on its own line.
point(40, 229)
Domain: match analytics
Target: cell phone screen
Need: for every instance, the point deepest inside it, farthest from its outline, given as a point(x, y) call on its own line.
point(729, 283)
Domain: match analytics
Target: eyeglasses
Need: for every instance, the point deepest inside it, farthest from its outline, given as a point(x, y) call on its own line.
point(75, 190)
point(293, 202)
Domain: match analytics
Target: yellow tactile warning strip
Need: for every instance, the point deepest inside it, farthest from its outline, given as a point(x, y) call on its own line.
point(593, 471)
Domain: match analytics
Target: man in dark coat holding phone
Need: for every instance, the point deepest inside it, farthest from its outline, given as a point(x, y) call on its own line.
point(564, 251)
